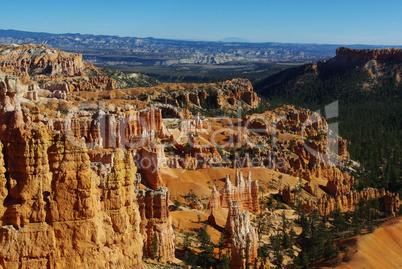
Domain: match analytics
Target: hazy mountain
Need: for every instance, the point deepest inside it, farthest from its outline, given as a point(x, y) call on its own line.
point(235, 39)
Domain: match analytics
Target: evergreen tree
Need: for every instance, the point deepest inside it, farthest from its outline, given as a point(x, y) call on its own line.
point(339, 222)
point(356, 222)
point(276, 241)
point(286, 241)
point(206, 247)
point(223, 263)
point(155, 246)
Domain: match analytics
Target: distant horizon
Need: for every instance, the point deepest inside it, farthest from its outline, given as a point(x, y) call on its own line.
point(199, 40)
point(373, 22)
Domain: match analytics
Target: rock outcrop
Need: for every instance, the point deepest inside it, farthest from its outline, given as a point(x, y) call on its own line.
point(388, 54)
point(150, 161)
point(56, 211)
point(244, 237)
point(156, 224)
point(116, 129)
point(214, 200)
point(53, 67)
point(240, 90)
point(244, 191)
point(302, 145)
point(58, 216)
point(378, 62)
point(30, 59)
point(347, 202)
point(82, 83)
point(226, 94)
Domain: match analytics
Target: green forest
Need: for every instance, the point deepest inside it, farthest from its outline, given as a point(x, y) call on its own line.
point(370, 114)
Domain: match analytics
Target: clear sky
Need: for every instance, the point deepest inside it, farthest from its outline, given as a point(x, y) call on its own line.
point(372, 22)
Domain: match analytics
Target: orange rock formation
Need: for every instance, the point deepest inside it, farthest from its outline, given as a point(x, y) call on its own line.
point(121, 129)
point(59, 70)
point(20, 60)
point(224, 95)
point(244, 191)
point(155, 220)
point(70, 194)
point(56, 211)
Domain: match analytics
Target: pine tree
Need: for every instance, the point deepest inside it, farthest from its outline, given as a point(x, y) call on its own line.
point(224, 262)
point(206, 247)
point(155, 246)
point(339, 223)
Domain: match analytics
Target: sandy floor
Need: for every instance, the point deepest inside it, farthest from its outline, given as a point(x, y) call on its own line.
point(201, 181)
point(381, 249)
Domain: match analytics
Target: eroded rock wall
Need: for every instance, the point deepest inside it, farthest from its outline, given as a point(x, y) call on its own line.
point(20, 60)
point(56, 211)
point(221, 95)
point(59, 70)
point(156, 223)
point(244, 191)
point(121, 129)
point(59, 215)
point(244, 237)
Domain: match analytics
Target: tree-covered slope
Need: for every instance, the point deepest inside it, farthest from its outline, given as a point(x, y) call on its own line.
point(368, 85)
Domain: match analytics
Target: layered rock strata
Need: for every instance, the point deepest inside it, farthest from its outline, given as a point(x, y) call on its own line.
point(20, 60)
point(390, 202)
point(60, 216)
point(302, 145)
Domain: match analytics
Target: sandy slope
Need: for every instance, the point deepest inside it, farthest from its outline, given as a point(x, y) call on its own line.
point(381, 249)
point(201, 181)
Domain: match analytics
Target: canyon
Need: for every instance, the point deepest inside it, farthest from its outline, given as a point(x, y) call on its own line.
point(94, 175)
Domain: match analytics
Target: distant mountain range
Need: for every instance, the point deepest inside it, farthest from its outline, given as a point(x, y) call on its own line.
point(235, 39)
point(115, 50)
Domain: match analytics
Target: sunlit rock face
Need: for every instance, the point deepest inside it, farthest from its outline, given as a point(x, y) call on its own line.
point(55, 210)
point(244, 237)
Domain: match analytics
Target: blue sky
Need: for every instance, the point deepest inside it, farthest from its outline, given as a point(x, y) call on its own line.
point(295, 21)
